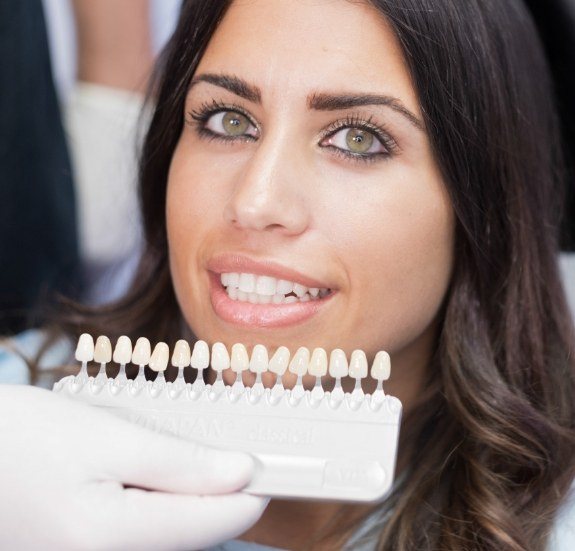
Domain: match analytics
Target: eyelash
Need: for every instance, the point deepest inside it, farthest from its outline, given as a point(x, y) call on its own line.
point(378, 131)
point(199, 117)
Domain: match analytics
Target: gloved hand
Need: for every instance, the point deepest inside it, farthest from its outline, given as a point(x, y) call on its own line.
point(76, 477)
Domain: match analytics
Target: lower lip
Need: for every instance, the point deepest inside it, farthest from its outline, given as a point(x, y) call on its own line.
point(261, 315)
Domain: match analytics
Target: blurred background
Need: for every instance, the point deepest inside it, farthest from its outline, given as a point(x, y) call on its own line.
point(73, 81)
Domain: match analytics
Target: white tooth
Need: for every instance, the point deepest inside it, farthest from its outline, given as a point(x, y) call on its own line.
point(160, 357)
point(284, 287)
point(259, 359)
point(181, 355)
point(305, 298)
point(123, 350)
point(225, 279)
point(358, 364)
point(233, 279)
point(299, 362)
point(243, 297)
point(299, 290)
point(103, 350)
point(380, 370)
point(318, 363)
point(240, 360)
point(220, 357)
point(313, 291)
point(142, 352)
point(247, 283)
point(253, 298)
point(290, 299)
point(264, 299)
point(279, 362)
point(200, 356)
point(85, 348)
point(277, 299)
point(266, 285)
point(232, 292)
point(338, 364)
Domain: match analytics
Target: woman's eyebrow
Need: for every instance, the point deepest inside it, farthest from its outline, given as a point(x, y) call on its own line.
point(317, 101)
point(334, 102)
point(236, 85)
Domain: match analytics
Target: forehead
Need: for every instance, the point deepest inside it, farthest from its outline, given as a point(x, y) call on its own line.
point(296, 46)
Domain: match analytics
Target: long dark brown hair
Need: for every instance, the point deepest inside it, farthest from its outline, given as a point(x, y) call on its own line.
point(491, 443)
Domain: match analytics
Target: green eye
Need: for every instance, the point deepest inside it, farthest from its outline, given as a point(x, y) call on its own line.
point(230, 124)
point(235, 124)
point(358, 140)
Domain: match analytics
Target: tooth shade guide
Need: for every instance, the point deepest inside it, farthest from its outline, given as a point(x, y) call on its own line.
point(267, 379)
point(328, 435)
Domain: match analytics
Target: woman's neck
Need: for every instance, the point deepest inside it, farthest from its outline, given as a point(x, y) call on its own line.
point(295, 524)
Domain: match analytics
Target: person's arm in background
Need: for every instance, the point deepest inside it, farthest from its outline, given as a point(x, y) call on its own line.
point(114, 43)
point(115, 56)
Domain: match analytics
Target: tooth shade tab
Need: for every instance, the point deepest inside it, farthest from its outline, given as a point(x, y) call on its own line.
point(142, 352)
point(200, 356)
point(318, 363)
point(240, 360)
point(358, 364)
point(123, 350)
point(259, 360)
point(181, 355)
point(103, 350)
point(85, 348)
point(381, 367)
point(280, 361)
point(338, 367)
point(160, 357)
point(300, 361)
point(220, 357)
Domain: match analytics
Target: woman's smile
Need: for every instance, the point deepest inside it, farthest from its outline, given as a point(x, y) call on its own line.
point(263, 293)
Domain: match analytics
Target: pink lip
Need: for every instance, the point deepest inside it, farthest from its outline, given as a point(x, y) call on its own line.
point(260, 315)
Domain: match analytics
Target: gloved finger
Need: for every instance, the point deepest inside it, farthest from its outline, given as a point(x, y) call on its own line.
point(138, 457)
point(155, 520)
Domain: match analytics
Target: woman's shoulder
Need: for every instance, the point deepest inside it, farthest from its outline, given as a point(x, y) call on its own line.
point(15, 351)
point(563, 536)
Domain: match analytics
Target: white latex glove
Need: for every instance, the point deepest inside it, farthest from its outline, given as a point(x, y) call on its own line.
point(71, 477)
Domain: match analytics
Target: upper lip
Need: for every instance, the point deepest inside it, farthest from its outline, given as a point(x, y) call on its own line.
point(239, 263)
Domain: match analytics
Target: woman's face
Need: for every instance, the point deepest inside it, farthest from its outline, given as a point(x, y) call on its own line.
point(303, 158)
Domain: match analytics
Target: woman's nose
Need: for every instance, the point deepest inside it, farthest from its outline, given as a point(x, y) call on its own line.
point(268, 194)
